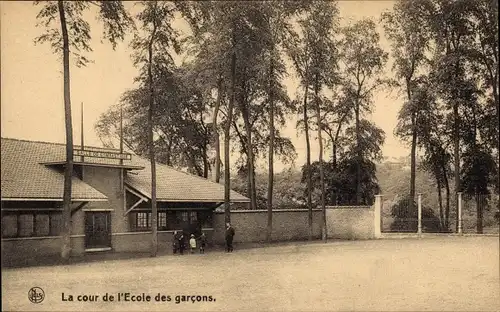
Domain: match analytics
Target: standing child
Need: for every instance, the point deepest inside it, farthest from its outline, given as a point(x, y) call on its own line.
point(192, 243)
point(203, 242)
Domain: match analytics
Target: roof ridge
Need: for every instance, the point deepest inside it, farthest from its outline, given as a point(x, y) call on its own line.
point(56, 143)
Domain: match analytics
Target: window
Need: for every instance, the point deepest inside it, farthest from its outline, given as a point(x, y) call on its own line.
point(184, 216)
point(193, 216)
point(42, 223)
point(142, 220)
point(162, 220)
point(205, 219)
point(9, 226)
point(26, 228)
point(31, 224)
point(55, 224)
point(172, 221)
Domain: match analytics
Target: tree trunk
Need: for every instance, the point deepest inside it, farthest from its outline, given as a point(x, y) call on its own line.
point(154, 208)
point(308, 166)
point(447, 186)
point(334, 155)
point(227, 132)
point(334, 167)
point(216, 131)
point(479, 209)
point(169, 153)
point(495, 98)
point(497, 105)
point(494, 84)
point(250, 161)
point(249, 180)
point(205, 160)
point(358, 156)
point(68, 170)
point(270, 184)
point(413, 165)
point(254, 187)
point(248, 135)
point(456, 155)
point(456, 144)
point(321, 169)
point(440, 199)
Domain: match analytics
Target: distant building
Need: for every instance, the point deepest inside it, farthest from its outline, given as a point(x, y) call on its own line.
point(111, 199)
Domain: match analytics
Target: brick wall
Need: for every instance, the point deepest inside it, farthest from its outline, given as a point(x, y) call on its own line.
point(141, 241)
point(251, 225)
point(350, 222)
point(361, 222)
point(107, 181)
point(25, 250)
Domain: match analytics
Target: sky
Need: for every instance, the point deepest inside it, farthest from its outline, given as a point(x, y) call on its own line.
point(32, 106)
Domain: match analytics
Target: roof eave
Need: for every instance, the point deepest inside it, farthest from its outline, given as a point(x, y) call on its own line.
point(89, 164)
point(53, 199)
point(234, 201)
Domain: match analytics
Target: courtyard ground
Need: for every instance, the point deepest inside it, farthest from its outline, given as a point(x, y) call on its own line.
point(413, 274)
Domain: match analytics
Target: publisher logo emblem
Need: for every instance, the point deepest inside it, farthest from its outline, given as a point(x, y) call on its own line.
point(36, 295)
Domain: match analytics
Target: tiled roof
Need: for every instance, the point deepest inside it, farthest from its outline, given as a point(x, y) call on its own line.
point(23, 177)
point(177, 186)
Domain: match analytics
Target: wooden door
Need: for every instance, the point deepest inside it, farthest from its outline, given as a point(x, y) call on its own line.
point(97, 229)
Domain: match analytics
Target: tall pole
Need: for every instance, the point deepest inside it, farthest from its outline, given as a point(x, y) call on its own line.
point(81, 135)
point(121, 131)
point(122, 174)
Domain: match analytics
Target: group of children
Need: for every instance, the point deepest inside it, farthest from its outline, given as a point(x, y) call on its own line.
point(179, 242)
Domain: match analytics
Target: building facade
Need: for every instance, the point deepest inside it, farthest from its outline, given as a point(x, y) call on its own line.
point(111, 201)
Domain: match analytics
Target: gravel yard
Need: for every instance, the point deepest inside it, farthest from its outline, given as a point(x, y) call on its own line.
point(434, 273)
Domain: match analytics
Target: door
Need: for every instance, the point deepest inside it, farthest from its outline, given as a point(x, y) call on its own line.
point(187, 221)
point(97, 229)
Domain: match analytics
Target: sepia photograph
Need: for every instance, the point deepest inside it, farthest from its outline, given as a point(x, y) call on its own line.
point(280, 155)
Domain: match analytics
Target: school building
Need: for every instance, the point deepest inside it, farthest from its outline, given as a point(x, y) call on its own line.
point(111, 196)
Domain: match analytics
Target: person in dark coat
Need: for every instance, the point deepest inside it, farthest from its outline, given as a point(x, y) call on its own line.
point(181, 243)
point(175, 242)
point(229, 237)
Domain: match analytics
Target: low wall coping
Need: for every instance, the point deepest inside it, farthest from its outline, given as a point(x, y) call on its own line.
point(263, 210)
point(149, 232)
point(349, 207)
point(296, 210)
point(6, 239)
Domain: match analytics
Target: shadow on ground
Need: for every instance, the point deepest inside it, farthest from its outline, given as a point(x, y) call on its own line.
point(111, 255)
